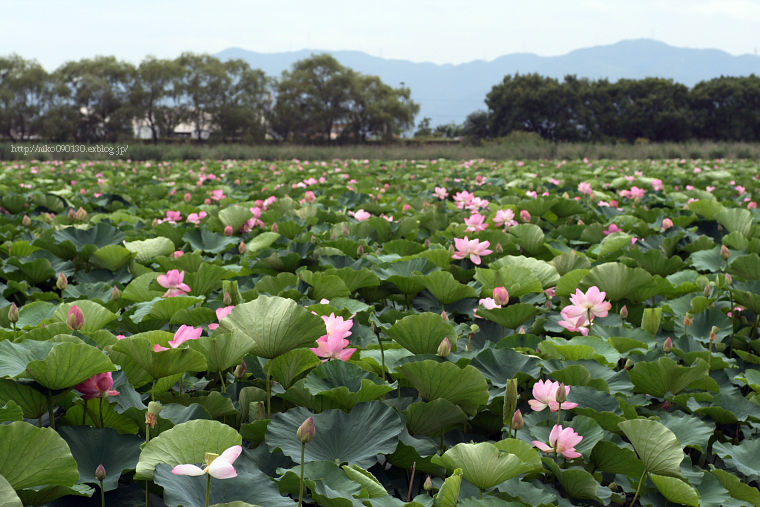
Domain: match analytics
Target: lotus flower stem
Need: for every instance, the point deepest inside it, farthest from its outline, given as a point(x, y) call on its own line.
point(411, 483)
point(382, 359)
point(269, 390)
point(84, 414)
point(208, 490)
point(221, 379)
point(147, 494)
point(443, 432)
point(641, 481)
point(153, 391)
point(102, 420)
point(50, 408)
point(303, 452)
point(14, 331)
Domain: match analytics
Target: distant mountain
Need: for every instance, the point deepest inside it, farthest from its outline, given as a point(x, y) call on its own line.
point(449, 92)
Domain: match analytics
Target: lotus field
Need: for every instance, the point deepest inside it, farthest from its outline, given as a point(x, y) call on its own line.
point(380, 333)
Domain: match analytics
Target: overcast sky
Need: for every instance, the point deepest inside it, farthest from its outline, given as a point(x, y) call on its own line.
point(439, 31)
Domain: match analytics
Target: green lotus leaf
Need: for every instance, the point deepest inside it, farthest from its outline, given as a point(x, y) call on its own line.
point(445, 288)
point(657, 446)
point(163, 309)
point(345, 383)
point(139, 290)
point(112, 419)
point(569, 282)
point(92, 447)
point(663, 376)
point(691, 431)
point(518, 280)
point(356, 438)
point(577, 483)
point(676, 490)
point(432, 417)
point(422, 333)
point(617, 280)
point(737, 488)
point(215, 403)
point(207, 278)
point(101, 235)
point(530, 237)
point(482, 464)
point(11, 412)
point(289, 366)
point(448, 495)
point(743, 458)
point(69, 364)
point(111, 257)
point(31, 456)
point(262, 241)
point(466, 387)
point(8, 495)
point(707, 208)
point(235, 216)
point(656, 262)
point(746, 266)
point(160, 364)
point(47, 494)
point(610, 457)
point(276, 325)
point(568, 262)
point(324, 286)
point(15, 356)
point(149, 249)
point(35, 271)
point(195, 317)
point(276, 284)
point(369, 482)
point(546, 273)
point(186, 443)
point(512, 316)
point(222, 351)
point(206, 241)
point(400, 274)
point(501, 365)
point(737, 220)
point(95, 316)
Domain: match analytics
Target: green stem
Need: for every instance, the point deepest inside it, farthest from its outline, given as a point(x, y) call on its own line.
point(641, 481)
point(303, 451)
point(50, 408)
point(147, 433)
point(153, 391)
point(221, 379)
point(14, 331)
point(102, 495)
point(382, 357)
point(709, 361)
point(84, 415)
point(147, 495)
point(559, 417)
point(208, 490)
point(443, 431)
point(102, 420)
point(269, 390)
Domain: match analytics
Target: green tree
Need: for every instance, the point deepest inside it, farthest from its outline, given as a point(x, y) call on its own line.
point(727, 108)
point(24, 91)
point(376, 109)
point(241, 103)
point(204, 81)
point(475, 127)
point(156, 96)
point(423, 129)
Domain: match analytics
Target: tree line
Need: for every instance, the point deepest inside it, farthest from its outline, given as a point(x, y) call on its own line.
point(652, 109)
point(103, 99)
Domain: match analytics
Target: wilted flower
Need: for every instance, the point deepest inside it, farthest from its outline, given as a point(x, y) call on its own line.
point(173, 281)
point(75, 319)
point(562, 441)
point(97, 386)
point(688, 319)
point(218, 467)
point(240, 371)
point(714, 333)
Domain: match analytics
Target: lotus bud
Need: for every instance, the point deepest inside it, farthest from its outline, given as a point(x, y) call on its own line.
point(345, 231)
point(428, 484)
point(561, 393)
point(75, 318)
point(227, 299)
point(510, 401)
point(72, 214)
point(725, 253)
point(26, 221)
point(427, 243)
point(729, 279)
point(306, 431)
point(62, 282)
point(518, 422)
point(666, 405)
point(566, 196)
point(624, 312)
point(474, 329)
point(360, 251)
point(100, 473)
point(628, 364)
point(707, 291)
point(400, 200)
point(275, 227)
point(188, 197)
point(501, 296)
point(452, 249)
point(445, 316)
point(521, 330)
point(240, 371)
point(525, 216)
point(714, 333)
point(651, 320)
point(82, 214)
point(667, 224)
point(13, 314)
point(613, 487)
point(242, 248)
point(499, 249)
point(688, 319)
point(444, 349)
point(228, 230)
point(668, 345)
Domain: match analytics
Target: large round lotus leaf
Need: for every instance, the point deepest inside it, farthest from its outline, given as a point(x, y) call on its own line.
point(69, 364)
point(445, 288)
point(95, 316)
point(287, 367)
point(186, 443)
point(235, 216)
point(8, 496)
point(432, 417)
point(357, 438)
point(15, 356)
point(448, 495)
point(111, 257)
point(223, 350)
point(664, 376)
point(483, 464)
point(276, 325)
point(11, 412)
point(250, 486)
point(501, 365)
point(512, 316)
point(617, 280)
point(345, 383)
point(466, 387)
point(92, 447)
point(545, 272)
point(149, 249)
point(675, 490)
point(422, 333)
point(162, 309)
point(31, 456)
point(101, 235)
point(48, 494)
point(656, 446)
point(577, 483)
point(207, 241)
point(160, 364)
point(743, 458)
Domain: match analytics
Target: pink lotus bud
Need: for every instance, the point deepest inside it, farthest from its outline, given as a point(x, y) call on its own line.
point(522, 330)
point(501, 296)
point(82, 214)
point(445, 315)
point(178, 254)
point(428, 484)
point(518, 422)
point(667, 224)
point(242, 248)
point(72, 214)
point(307, 431)
point(666, 405)
point(525, 216)
point(188, 197)
point(62, 282)
point(26, 221)
point(427, 243)
point(729, 279)
point(227, 299)
point(13, 314)
point(241, 370)
point(360, 251)
point(75, 318)
point(228, 231)
point(725, 253)
point(499, 249)
point(444, 349)
point(275, 228)
point(100, 473)
point(624, 312)
point(668, 345)
point(707, 291)
point(49, 218)
point(207, 201)
point(115, 294)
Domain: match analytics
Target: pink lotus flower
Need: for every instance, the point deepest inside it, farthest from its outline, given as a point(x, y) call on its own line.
point(505, 218)
point(360, 215)
point(525, 216)
point(220, 314)
point(218, 467)
point(578, 325)
point(476, 223)
point(634, 193)
point(441, 193)
point(545, 395)
point(173, 216)
point(657, 185)
point(563, 441)
point(195, 218)
point(183, 334)
point(173, 280)
point(228, 230)
point(588, 305)
point(333, 344)
point(585, 188)
point(710, 189)
point(612, 228)
point(218, 195)
point(474, 248)
point(463, 198)
point(667, 224)
point(97, 386)
point(75, 318)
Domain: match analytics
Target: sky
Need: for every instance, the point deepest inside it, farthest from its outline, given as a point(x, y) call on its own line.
point(440, 31)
